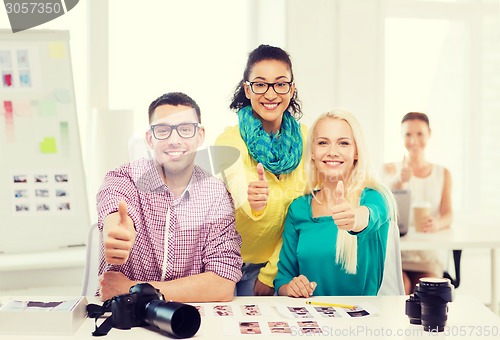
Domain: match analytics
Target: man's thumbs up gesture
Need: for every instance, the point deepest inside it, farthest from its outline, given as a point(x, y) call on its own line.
point(342, 212)
point(119, 234)
point(258, 191)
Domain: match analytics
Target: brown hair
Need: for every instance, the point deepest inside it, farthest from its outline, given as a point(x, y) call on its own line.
point(416, 115)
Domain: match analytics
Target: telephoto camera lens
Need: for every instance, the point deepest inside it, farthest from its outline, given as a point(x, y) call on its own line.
point(177, 319)
point(434, 295)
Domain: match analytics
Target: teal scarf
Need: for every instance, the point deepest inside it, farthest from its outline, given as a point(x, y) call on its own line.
point(279, 153)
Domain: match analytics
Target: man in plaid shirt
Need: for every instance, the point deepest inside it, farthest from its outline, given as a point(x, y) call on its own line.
point(166, 221)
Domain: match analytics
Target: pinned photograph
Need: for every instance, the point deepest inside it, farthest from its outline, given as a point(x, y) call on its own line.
point(22, 58)
point(250, 310)
point(25, 78)
point(22, 207)
point(61, 178)
point(61, 193)
point(356, 312)
point(41, 178)
point(250, 328)
point(279, 327)
point(5, 60)
point(42, 207)
point(20, 179)
point(311, 330)
point(223, 310)
point(42, 193)
point(300, 312)
point(21, 193)
point(310, 323)
point(327, 312)
point(63, 206)
point(7, 78)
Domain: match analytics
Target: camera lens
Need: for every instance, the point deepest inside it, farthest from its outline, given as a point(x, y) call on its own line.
point(177, 319)
point(434, 295)
point(434, 316)
point(413, 310)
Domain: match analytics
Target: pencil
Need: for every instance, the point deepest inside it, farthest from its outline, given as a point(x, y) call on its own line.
point(317, 303)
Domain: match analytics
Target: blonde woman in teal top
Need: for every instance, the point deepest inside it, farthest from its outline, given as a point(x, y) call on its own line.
point(335, 238)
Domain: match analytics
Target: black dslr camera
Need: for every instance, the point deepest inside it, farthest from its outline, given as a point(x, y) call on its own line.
point(428, 305)
point(146, 305)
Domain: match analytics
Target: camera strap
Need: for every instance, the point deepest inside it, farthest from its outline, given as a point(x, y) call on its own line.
point(96, 311)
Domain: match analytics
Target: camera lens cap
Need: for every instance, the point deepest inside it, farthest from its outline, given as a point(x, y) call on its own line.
point(434, 282)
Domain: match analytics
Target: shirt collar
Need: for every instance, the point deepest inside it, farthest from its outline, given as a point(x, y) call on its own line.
point(186, 194)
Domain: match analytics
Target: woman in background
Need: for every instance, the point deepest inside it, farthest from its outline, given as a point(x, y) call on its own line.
point(427, 182)
point(270, 172)
point(335, 237)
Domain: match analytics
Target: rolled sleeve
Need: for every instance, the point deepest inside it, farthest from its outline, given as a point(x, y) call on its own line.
point(222, 253)
point(378, 211)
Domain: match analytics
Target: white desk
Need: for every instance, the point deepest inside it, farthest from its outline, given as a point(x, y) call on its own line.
point(467, 318)
point(461, 237)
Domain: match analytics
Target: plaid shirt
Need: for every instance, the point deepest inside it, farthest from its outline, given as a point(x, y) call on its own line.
point(200, 231)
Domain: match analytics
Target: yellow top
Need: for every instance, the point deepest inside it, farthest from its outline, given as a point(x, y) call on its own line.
point(260, 230)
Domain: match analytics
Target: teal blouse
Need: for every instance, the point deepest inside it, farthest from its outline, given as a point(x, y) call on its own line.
point(309, 246)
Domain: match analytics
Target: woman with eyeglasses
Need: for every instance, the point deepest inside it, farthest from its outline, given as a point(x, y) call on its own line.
point(270, 171)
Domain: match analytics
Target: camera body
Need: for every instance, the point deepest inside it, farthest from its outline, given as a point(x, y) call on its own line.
point(145, 305)
point(129, 310)
point(428, 305)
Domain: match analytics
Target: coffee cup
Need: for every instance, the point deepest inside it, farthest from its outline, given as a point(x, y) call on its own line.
point(421, 212)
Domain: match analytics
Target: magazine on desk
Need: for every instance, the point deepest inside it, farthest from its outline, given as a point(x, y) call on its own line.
point(15, 305)
point(42, 315)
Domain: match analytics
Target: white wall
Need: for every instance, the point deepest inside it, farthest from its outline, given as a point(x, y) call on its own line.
point(336, 51)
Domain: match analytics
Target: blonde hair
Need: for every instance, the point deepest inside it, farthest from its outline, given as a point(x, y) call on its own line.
point(359, 178)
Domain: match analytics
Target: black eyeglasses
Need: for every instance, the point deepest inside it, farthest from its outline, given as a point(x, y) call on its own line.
point(260, 87)
point(185, 130)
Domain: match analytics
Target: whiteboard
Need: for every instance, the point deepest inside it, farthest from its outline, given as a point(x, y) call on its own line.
point(42, 181)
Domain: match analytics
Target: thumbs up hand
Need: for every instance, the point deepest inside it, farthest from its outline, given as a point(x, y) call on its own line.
point(258, 191)
point(406, 171)
point(342, 213)
point(119, 234)
point(339, 193)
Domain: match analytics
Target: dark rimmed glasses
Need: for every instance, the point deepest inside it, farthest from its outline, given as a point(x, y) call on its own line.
point(260, 87)
point(184, 130)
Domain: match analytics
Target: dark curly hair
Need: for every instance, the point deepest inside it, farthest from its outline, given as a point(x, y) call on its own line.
point(265, 52)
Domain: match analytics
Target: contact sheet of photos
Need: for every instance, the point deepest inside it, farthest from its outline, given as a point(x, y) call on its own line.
point(41, 192)
point(254, 319)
